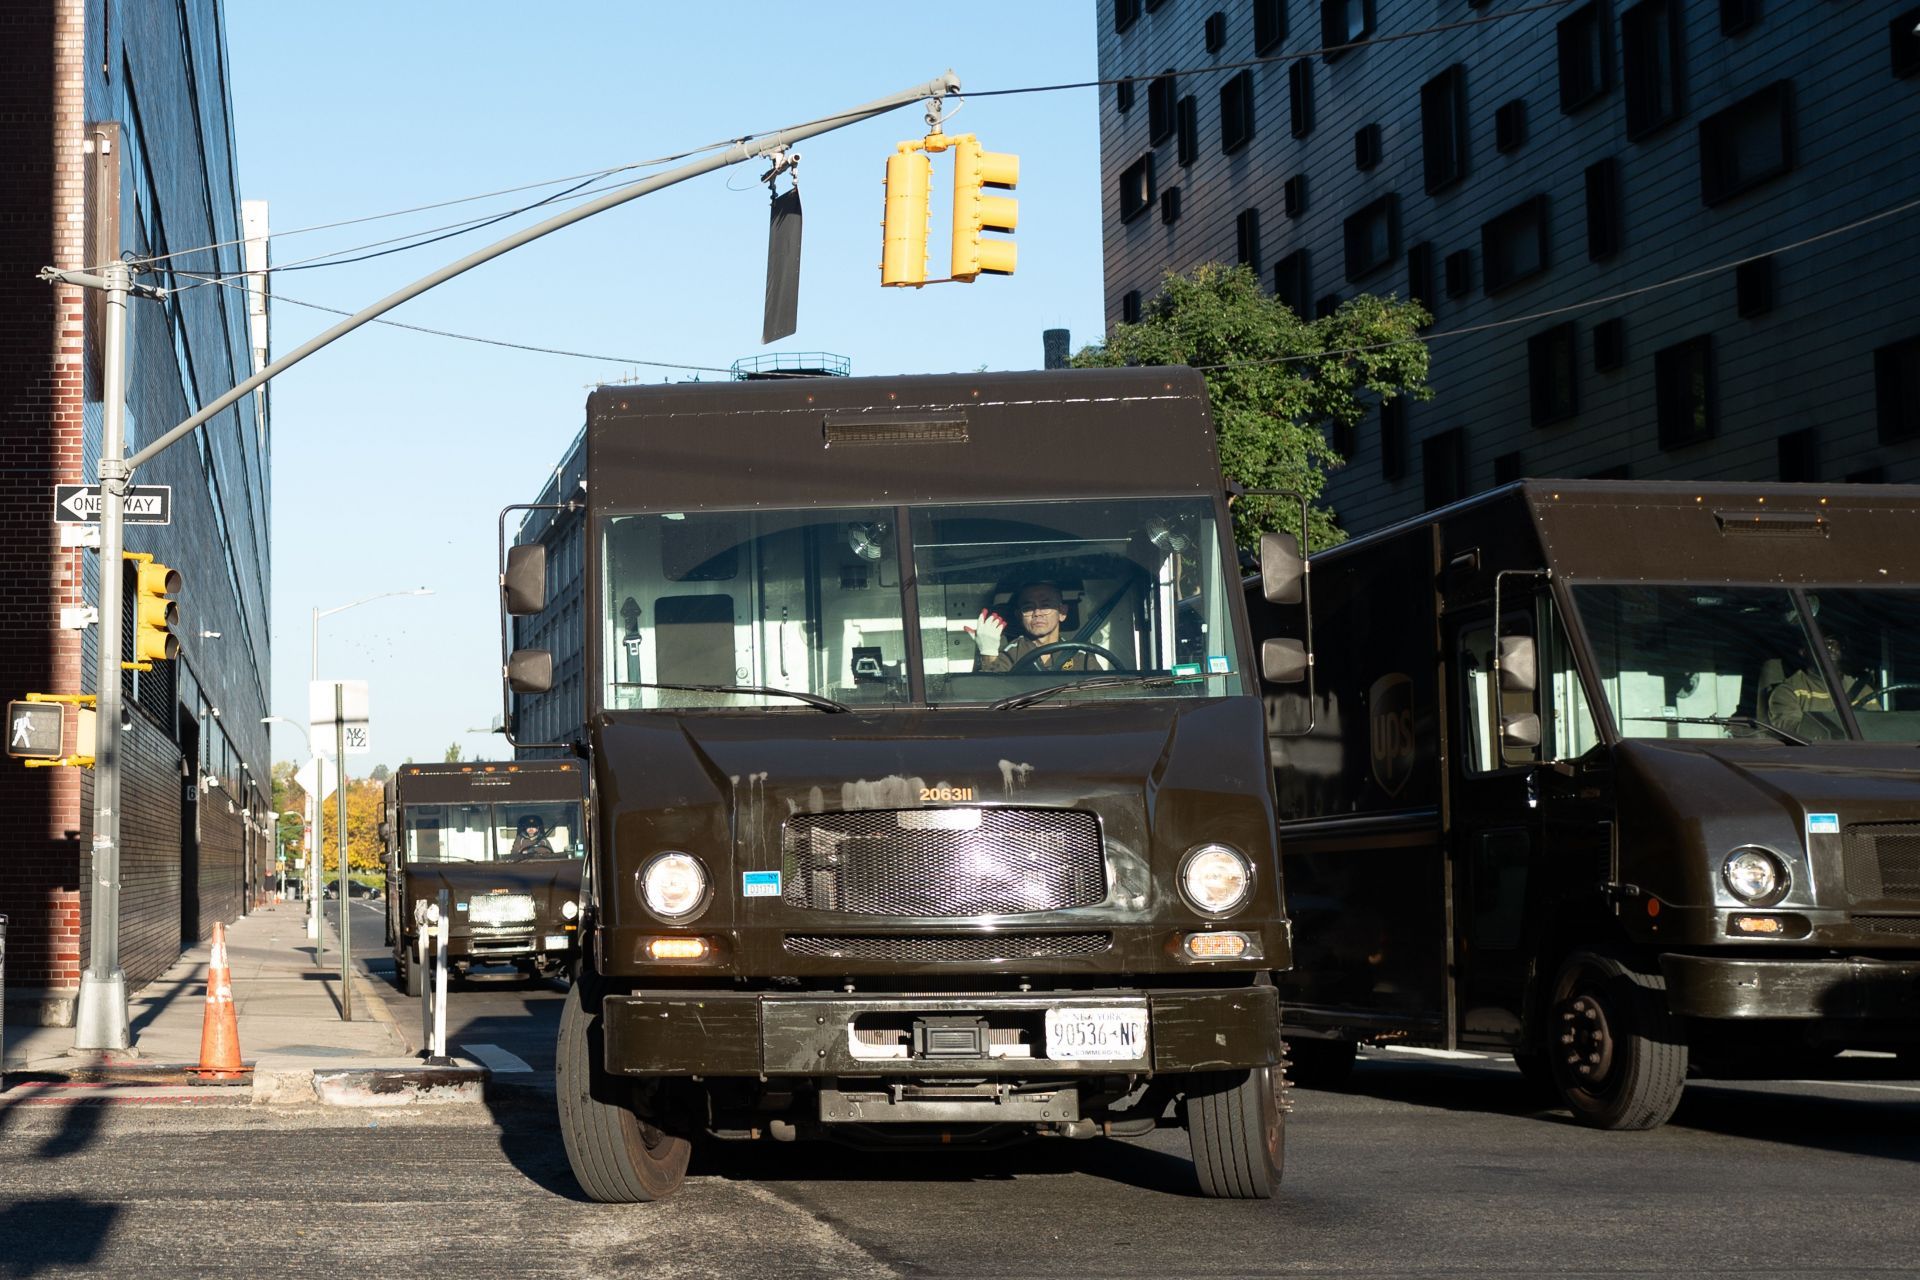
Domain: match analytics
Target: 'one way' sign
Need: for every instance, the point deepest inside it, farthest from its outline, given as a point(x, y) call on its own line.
point(144, 504)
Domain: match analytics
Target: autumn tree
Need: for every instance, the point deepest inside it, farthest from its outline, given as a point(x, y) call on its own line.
point(1280, 385)
point(366, 851)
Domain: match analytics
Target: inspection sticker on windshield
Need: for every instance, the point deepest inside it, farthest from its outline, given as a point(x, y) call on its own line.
point(759, 884)
point(1823, 824)
point(1217, 665)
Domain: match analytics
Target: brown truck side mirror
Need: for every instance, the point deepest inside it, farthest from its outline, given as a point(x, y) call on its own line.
point(530, 670)
point(1283, 661)
point(1282, 568)
point(525, 581)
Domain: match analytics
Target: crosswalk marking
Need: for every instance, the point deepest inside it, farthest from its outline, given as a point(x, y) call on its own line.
point(494, 1058)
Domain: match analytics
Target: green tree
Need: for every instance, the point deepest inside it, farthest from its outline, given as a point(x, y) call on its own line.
point(379, 773)
point(453, 754)
point(1278, 383)
point(289, 802)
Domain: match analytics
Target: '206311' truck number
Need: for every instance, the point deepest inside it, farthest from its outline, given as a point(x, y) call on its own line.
point(945, 794)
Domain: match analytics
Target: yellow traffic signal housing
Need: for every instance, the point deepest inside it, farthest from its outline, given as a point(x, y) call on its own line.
point(975, 212)
point(903, 258)
point(154, 615)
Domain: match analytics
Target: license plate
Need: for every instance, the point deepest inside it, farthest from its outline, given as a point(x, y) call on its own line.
point(1112, 1034)
point(556, 942)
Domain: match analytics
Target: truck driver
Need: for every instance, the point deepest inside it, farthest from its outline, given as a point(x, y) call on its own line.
point(1041, 610)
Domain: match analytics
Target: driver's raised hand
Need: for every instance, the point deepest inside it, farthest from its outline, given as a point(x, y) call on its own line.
point(989, 633)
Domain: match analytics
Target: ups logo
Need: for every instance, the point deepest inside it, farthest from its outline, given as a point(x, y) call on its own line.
point(1390, 731)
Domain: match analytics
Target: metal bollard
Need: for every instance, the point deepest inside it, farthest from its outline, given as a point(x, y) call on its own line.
point(3, 1004)
point(441, 927)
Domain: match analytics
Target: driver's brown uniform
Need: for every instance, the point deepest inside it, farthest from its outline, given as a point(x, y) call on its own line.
point(1007, 658)
point(1795, 699)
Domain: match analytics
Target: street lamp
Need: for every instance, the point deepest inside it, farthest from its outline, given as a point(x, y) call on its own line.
point(312, 819)
point(342, 608)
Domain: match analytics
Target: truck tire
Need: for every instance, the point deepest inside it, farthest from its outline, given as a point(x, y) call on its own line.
point(1237, 1133)
point(617, 1157)
point(407, 975)
point(1320, 1064)
point(1617, 1053)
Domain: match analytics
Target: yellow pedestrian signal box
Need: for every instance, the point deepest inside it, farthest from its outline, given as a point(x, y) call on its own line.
point(975, 212)
point(903, 259)
point(154, 615)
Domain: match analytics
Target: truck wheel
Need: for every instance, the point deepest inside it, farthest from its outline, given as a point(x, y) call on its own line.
point(1320, 1064)
point(405, 971)
point(1237, 1134)
point(1617, 1054)
point(617, 1157)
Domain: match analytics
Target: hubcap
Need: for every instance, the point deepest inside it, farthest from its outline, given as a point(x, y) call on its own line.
point(1585, 1046)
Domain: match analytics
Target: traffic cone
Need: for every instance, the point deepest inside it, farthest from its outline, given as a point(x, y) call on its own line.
point(220, 1030)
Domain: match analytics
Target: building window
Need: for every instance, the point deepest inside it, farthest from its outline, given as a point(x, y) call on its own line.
point(1188, 126)
point(1443, 128)
point(1753, 287)
point(1300, 96)
point(1344, 22)
point(1650, 43)
point(1160, 108)
point(1799, 455)
point(1125, 14)
point(1458, 269)
point(1586, 56)
point(1366, 147)
point(1603, 209)
point(1372, 237)
point(1393, 438)
point(1510, 125)
point(1508, 467)
point(1609, 345)
point(1550, 375)
point(1896, 390)
point(1293, 194)
point(1293, 282)
point(1513, 247)
point(1136, 188)
point(1123, 96)
point(1236, 113)
point(1443, 465)
point(1216, 31)
point(1269, 25)
point(1246, 234)
point(1749, 143)
point(1420, 274)
point(1170, 206)
point(1874, 474)
point(1130, 307)
point(1906, 45)
point(1737, 16)
point(1683, 393)
point(1326, 305)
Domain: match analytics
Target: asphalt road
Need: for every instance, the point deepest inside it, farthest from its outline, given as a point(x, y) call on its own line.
point(1424, 1168)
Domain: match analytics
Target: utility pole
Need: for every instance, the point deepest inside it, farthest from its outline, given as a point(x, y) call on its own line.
point(340, 821)
point(102, 1018)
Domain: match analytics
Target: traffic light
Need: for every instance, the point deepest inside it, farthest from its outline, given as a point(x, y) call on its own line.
point(154, 615)
point(903, 257)
point(975, 212)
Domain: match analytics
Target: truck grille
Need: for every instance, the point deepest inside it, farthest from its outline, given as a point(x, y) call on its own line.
point(1882, 860)
point(944, 862)
point(1896, 926)
point(949, 948)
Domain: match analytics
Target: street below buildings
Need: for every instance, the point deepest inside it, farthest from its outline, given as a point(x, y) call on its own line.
point(1424, 1166)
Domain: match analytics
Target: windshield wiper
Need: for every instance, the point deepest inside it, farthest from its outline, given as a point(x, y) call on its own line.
point(1757, 723)
point(811, 699)
point(1096, 682)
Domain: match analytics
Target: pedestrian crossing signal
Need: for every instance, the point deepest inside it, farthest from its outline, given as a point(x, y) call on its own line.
point(36, 730)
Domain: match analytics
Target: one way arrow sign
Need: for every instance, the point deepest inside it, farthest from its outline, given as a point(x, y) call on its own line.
point(145, 504)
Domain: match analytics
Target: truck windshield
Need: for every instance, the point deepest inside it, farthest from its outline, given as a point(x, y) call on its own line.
point(1717, 662)
point(508, 832)
point(813, 602)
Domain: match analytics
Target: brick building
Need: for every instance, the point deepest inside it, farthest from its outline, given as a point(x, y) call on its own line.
point(1509, 170)
point(116, 136)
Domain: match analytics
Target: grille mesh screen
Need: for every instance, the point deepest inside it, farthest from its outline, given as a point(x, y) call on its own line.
point(943, 862)
point(1882, 861)
point(950, 947)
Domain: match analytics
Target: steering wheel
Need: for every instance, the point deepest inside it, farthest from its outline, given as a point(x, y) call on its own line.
point(1031, 662)
point(1874, 695)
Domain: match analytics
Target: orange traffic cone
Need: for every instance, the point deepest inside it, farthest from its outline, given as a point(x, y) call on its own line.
point(220, 1030)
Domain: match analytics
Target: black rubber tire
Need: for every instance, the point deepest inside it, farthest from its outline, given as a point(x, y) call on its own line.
point(1320, 1064)
point(1616, 1009)
point(1237, 1133)
point(617, 1157)
point(407, 975)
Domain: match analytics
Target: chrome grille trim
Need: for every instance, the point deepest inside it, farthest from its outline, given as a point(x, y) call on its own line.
point(943, 862)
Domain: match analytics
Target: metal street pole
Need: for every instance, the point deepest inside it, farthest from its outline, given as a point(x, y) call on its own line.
point(340, 820)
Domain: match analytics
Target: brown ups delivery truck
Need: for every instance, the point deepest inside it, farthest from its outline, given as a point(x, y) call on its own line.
point(871, 862)
point(505, 840)
point(1622, 778)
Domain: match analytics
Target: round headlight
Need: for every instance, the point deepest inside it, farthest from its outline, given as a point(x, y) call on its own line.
point(1755, 876)
point(673, 885)
point(1216, 879)
point(569, 909)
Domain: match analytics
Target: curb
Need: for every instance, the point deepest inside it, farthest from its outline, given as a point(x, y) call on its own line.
point(395, 1083)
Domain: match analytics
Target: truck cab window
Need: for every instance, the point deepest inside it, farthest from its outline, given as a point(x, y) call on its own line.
point(1569, 731)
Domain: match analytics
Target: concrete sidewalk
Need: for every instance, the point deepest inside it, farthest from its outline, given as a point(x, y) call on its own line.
point(287, 1001)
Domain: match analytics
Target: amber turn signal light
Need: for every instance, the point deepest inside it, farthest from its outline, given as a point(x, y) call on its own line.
point(1216, 946)
point(677, 948)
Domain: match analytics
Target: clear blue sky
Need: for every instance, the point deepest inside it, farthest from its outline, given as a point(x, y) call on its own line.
point(393, 451)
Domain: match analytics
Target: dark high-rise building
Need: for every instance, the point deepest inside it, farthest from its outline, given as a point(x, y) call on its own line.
point(117, 133)
point(1663, 240)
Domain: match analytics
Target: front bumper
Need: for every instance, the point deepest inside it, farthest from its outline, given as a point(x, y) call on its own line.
point(1852, 987)
point(763, 1034)
point(517, 944)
